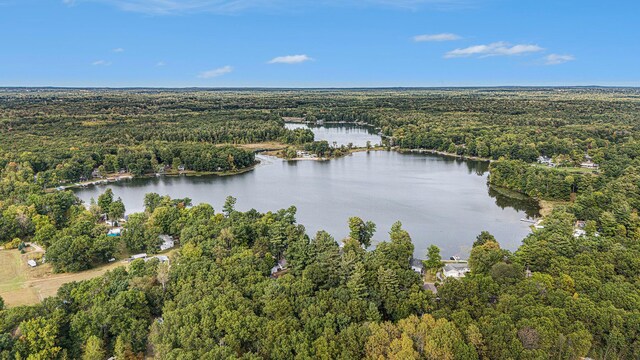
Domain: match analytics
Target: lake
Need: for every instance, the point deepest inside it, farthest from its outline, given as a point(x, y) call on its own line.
point(341, 134)
point(440, 200)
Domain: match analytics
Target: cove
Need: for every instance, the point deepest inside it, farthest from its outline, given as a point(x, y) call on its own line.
point(340, 134)
point(439, 200)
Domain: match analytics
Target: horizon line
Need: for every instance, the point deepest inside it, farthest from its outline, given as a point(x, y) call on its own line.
point(53, 87)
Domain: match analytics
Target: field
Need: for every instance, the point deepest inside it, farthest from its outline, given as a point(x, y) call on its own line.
point(23, 285)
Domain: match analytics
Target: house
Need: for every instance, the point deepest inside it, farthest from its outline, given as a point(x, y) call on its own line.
point(96, 173)
point(181, 168)
point(32, 263)
point(138, 256)
point(115, 232)
point(545, 160)
point(579, 233)
point(279, 267)
point(161, 258)
point(110, 222)
point(167, 242)
point(417, 265)
point(589, 165)
point(455, 270)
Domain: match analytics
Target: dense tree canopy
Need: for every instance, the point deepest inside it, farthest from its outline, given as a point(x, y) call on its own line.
point(561, 295)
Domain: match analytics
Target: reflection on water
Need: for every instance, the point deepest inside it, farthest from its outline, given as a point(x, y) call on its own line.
point(341, 134)
point(440, 200)
point(519, 202)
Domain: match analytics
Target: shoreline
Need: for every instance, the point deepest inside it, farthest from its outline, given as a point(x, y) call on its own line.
point(443, 153)
point(128, 176)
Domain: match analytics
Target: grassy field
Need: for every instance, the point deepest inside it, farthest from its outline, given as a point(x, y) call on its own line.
point(23, 285)
point(546, 206)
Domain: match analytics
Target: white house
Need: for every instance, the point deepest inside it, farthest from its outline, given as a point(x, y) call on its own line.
point(589, 165)
point(417, 265)
point(161, 258)
point(545, 160)
point(579, 232)
point(32, 263)
point(455, 270)
point(281, 265)
point(138, 256)
point(167, 242)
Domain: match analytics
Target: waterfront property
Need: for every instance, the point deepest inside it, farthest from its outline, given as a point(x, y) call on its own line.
point(455, 270)
point(167, 242)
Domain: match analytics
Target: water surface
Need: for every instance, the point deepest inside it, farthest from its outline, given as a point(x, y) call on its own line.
point(439, 200)
point(341, 134)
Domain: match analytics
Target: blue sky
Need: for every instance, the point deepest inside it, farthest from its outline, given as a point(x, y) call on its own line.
point(318, 43)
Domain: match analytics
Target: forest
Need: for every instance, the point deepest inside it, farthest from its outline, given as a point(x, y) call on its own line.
point(557, 296)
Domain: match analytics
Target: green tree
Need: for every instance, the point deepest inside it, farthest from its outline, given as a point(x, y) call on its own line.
point(38, 340)
point(357, 281)
point(361, 231)
point(484, 256)
point(163, 274)
point(434, 260)
point(176, 163)
point(151, 202)
point(93, 349)
point(105, 199)
point(483, 237)
point(229, 206)
point(116, 210)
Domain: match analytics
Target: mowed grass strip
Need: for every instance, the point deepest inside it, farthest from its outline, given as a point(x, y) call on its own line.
point(11, 272)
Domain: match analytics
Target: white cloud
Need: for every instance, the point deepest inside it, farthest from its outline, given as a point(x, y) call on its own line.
point(290, 59)
point(173, 7)
point(161, 63)
point(118, 50)
point(556, 59)
point(500, 48)
point(436, 37)
point(215, 72)
point(101, 63)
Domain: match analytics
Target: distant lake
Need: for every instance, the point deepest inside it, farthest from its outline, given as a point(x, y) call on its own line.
point(440, 200)
point(341, 134)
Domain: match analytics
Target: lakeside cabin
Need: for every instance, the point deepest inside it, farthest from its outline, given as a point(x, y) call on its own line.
point(589, 165)
point(545, 160)
point(167, 242)
point(161, 258)
point(455, 270)
point(280, 268)
point(417, 265)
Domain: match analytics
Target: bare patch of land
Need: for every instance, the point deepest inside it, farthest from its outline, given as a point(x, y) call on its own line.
point(547, 206)
point(21, 284)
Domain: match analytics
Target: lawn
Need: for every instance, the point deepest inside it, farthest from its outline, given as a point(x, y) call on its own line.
point(23, 285)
